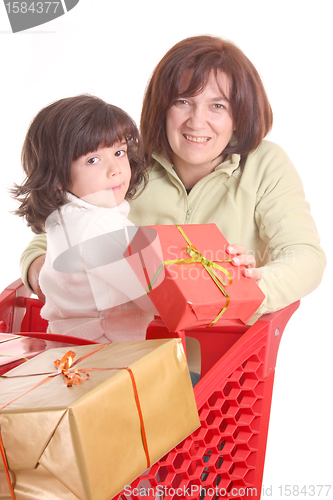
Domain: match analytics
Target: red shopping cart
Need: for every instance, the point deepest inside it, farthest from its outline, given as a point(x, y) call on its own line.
point(225, 456)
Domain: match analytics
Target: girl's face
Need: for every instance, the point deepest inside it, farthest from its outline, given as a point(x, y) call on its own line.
point(200, 127)
point(102, 177)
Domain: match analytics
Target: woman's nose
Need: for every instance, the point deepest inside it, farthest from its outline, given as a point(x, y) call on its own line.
point(197, 118)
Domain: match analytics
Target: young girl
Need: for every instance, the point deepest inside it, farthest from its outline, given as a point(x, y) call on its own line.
point(82, 158)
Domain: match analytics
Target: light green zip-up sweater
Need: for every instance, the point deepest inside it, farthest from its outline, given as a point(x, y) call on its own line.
point(261, 206)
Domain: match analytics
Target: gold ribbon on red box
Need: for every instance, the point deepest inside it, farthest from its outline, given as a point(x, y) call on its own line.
point(209, 265)
point(10, 338)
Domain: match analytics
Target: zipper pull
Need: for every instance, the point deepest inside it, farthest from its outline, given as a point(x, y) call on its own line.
point(188, 213)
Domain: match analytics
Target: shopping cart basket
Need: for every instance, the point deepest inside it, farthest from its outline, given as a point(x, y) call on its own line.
point(225, 456)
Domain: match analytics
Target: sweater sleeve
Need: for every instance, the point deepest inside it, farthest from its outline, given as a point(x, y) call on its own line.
point(285, 223)
point(36, 247)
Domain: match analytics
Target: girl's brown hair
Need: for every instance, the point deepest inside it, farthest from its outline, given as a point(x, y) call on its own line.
point(59, 135)
point(251, 111)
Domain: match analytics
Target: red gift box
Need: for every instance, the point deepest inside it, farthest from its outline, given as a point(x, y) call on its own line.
point(197, 290)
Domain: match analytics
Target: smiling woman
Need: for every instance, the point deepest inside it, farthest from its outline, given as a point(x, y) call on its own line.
point(185, 71)
point(199, 128)
point(204, 118)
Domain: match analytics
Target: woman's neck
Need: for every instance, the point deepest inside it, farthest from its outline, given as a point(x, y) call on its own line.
point(191, 174)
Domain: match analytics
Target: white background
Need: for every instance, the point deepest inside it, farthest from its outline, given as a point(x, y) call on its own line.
point(109, 48)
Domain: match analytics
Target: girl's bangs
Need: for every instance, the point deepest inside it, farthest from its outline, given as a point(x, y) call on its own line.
point(105, 133)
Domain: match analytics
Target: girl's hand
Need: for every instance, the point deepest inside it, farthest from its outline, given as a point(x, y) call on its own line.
point(33, 276)
point(241, 257)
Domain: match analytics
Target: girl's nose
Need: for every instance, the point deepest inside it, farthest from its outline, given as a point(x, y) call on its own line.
point(113, 168)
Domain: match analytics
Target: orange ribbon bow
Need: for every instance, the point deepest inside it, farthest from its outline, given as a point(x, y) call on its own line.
point(70, 375)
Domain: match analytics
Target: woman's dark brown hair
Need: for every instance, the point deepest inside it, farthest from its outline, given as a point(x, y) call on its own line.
point(59, 135)
point(251, 111)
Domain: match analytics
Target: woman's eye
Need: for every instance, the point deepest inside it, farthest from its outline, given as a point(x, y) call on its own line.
point(93, 160)
point(219, 106)
point(180, 102)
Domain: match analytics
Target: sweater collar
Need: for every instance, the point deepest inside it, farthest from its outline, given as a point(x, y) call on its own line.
point(228, 166)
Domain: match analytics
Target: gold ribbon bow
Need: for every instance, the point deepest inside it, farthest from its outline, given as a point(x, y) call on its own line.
point(209, 265)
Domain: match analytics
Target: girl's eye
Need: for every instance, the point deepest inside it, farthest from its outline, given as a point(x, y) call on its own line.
point(120, 152)
point(93, 160)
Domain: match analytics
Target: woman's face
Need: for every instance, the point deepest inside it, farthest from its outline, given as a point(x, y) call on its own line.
point(200, 127)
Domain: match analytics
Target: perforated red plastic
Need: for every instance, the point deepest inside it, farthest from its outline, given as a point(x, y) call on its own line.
point(225, 456)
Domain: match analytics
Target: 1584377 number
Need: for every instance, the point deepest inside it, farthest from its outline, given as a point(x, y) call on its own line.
point(310, 490)
point(32, 7)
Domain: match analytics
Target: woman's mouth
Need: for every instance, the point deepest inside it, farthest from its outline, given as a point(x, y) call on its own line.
point(192, 138)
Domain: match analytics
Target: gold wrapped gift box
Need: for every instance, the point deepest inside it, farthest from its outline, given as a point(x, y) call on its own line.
point(86, 441)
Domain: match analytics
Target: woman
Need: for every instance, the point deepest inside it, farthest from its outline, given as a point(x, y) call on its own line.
point(205, 115)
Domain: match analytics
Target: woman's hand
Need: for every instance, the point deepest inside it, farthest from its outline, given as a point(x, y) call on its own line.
point(241, 257)
point(33, 276)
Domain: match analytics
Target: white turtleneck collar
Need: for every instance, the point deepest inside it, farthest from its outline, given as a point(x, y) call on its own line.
point(123, 208)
